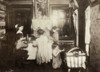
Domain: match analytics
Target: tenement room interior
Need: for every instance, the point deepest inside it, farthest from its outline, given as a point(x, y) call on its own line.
point(49, 35)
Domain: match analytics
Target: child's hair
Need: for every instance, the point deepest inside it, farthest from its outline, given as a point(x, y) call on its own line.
point(54, 45)
point(61, 47)
point(55, 28)
point(32, 38)
point(40, 31)
point(20, 26)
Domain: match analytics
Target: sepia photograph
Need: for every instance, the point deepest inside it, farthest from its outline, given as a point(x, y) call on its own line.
point(49, 36)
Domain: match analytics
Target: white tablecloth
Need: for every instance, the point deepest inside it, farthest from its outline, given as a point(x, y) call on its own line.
point(32, 51)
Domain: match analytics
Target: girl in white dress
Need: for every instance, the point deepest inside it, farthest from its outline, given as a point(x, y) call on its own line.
point(43, 44)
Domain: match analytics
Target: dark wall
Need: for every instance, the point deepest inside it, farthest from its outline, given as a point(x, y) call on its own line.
point(18, 14)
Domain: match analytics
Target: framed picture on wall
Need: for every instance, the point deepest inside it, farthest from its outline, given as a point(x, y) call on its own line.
point(41, 8)
point(61, 17)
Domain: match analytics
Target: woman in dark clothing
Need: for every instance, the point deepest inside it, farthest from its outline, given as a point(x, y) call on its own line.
point(20, 53)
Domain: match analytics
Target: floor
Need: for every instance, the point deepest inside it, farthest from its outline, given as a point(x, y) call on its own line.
point(31, 66)
point(7, 61)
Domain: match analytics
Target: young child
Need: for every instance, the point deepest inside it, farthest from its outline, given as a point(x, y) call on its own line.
point(43, 54)
point(57, 61)
point(55, 34)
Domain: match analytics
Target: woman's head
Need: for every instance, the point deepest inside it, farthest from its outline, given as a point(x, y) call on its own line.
point(21, 28)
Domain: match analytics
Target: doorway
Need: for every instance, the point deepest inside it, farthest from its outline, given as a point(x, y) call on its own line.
point(61, 17)
point(23, 17)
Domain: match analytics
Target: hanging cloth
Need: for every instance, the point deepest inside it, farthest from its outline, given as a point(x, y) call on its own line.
point(87, 28)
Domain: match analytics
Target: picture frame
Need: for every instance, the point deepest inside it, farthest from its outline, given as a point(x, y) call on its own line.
point(65, 27)
point(41, 8)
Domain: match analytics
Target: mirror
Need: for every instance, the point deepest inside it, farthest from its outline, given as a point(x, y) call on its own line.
point(62, 18)
point(41, 8)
